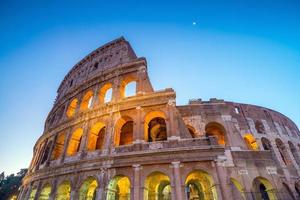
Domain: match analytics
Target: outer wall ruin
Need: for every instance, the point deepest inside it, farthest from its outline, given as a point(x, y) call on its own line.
point(101, 143)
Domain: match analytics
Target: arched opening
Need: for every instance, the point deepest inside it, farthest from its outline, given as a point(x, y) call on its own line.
point(87, 101)
point(128, 87)
point(124, 131)
point(88, 189)
point(96, 137)
point(75, 141)
point(191, 130)
point(46, 152)
point(251, 142)
point(157, 187)
point(63, 191)
point(32, 194)
point(105, 93)
point(58, 147)
point(259, 127)
point(200, 185)
point(263, 189)
point(155, 127)
point(237, 190)
point(266, 144)
point(286, 192)
point(45, 192)
point(283, 152)
point(294, 152)
point(119, 188)
point(217, 130)
point(72, 108)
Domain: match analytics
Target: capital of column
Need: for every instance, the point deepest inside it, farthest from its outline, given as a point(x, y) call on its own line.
point(137, 167)
point(176, 164)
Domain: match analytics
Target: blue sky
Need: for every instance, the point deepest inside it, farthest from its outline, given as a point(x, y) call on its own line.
point(243, 51)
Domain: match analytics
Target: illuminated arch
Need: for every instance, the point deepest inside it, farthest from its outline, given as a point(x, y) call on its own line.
point(128, 81)
point(58, 147)
point(124, 131)
point(199, 184)
point(237, 190)
point(63, 191)
point(155, 128)
point(217, 130)
point(45, 192)
point(105, 93)
point(251, 142)
point(86, 102)
point(75, 141)
point(32, 194)
point(72, 108)
point(88, 189)
point(96, 136)
point(191, 130)
point(157, 187)
point(119, 188)
point(263, 189)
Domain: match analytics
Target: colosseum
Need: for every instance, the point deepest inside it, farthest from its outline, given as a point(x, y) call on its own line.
point(102, 143)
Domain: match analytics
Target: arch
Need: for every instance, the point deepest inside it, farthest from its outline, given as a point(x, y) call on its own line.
point(96, 136)
point(217, 130)
point(191, 130)
point(45, 192)
point(105, 93)
point(294, 152)
point(259, 127)
point(155, 127)
point(251, 142)
point(123, 131)
point(119, 188)
point(199, 184)
point(46, 152)
point(75, 141)
point(32, 194)
point(72, 108)
point(88, 189)
point(283, 151)
point(266, 144)
point(237, 190)
point(124, 89)
point(286, 192)
point(58, 147)
point(263, 189)
point(157, 187)
point(87, 100)
point(63, 191)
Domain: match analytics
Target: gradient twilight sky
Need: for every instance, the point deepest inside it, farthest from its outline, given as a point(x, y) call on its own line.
point(243, 51)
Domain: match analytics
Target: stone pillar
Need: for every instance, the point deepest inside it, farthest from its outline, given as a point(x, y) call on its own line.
point(137, 189)
point(116, 95)
point(138, 132)
point(177, 180)
point(53, 190)
point(74, 194)
point(217, 182)
point(172, 124)
point(95, 100)
point(66, 143)
point(222, 175)
point(51, 149)
point(85, 133)
point(38, 191)
point(141, 74)
point(109, 135)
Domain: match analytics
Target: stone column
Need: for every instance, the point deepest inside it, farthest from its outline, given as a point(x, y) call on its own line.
point(217, 181)
point(172, 124)
point(138, 132)
point(222, 175)
point(116, 95)
point(53, 190)
point(141, 74)
point(109, 135)
point(38, 191)
point(84, 138)
point(137, 189)
point(74, 194)
point(66, 143)
point(177, 180)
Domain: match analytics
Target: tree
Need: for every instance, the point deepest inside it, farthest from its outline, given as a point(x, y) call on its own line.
point(10, 184)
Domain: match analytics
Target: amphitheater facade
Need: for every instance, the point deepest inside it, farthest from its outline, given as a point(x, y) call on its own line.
point(99, 142)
